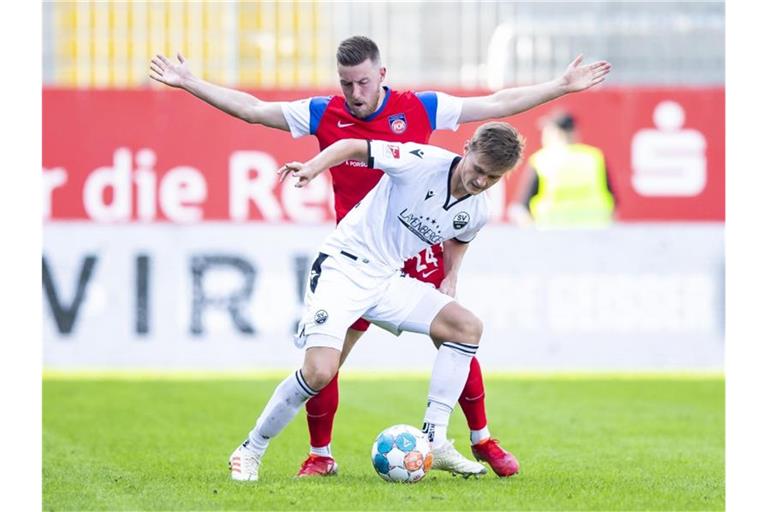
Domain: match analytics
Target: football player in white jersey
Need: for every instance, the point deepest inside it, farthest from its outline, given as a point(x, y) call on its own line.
point(427, 195)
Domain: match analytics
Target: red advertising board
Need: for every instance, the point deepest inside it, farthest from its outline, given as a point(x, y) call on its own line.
point(163, 155)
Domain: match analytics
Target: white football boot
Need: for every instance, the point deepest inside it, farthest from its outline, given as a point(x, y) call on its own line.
point(244, 464)
point(446, 458)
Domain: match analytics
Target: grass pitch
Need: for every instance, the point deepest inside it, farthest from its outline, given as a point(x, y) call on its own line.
point(584, 443)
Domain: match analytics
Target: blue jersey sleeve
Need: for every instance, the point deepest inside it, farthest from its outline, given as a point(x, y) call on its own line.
point(429, 101)
point(317, 107)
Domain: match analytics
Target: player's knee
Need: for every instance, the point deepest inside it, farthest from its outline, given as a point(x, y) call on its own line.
point(317, 374)
point(471, 328)
point(320, 366)
point(455, 323)
point(476, 330)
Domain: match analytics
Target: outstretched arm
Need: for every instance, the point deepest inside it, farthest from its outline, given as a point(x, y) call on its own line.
point(453, 253)
point(235, 103)
point(508, 102)
point(338, 152)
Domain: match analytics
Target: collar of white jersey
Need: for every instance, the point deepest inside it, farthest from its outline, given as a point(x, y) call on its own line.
point(447, 205)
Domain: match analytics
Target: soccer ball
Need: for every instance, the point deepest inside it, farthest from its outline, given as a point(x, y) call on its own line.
point(401, 454)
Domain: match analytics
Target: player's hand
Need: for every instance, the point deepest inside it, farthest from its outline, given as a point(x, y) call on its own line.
point(448, 286)
point(169, 72)
point(304, 172)
point(578, 76)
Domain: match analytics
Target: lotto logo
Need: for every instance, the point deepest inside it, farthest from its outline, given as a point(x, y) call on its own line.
point(394, 150)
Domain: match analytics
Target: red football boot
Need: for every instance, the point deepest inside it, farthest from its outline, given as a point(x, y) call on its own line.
point(318, 465)
point(501, 461)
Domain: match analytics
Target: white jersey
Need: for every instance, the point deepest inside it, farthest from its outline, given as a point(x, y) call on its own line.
point(410, 209)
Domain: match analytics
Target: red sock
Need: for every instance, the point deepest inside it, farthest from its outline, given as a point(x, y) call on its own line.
point(472, 399)
point(321, 409)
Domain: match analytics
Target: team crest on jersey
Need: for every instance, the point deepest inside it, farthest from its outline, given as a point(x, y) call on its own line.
point(394, 150)
point(397, 123)
point(321, 316)
point(460, 220)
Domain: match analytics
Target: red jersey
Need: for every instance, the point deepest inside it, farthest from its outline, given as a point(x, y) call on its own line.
point(403, 117)
point(406, 116)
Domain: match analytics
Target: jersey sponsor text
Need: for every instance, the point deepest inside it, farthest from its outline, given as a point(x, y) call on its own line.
point(418, 227)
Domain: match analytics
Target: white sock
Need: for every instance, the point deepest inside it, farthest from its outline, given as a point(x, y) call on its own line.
point(323, 451)
point(475, 436)
point(437, 428)
point(288, 398)
point(449, 376)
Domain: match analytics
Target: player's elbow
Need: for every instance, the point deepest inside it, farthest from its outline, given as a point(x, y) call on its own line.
point(255, 111)
point(251, 114)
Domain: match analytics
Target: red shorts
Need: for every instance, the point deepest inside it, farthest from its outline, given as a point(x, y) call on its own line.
point(427, 266)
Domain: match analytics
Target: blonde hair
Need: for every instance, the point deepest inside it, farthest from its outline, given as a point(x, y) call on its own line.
point(499, 144)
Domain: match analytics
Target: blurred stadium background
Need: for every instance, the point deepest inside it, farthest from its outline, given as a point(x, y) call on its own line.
point(168, 244)
point(450, 44)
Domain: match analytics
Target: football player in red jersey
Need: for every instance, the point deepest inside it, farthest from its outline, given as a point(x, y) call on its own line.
point(367, 109)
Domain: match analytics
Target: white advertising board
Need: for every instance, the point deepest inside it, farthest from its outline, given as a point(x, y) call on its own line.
point(216, 296)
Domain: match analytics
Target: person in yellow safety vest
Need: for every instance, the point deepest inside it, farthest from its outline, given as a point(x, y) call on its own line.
point(569, 185)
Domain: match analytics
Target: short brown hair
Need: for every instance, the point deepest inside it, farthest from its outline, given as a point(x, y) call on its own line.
point(500, 145)
point(356, 50)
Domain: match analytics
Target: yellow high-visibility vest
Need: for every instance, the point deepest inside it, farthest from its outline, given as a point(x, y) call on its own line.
point(573, 189)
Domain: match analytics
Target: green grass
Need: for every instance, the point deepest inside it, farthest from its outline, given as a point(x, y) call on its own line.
point(585, 443)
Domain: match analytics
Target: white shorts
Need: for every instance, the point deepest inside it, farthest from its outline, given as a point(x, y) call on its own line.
point(340, 290)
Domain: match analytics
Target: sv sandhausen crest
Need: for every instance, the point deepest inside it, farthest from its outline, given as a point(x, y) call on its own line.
point(460, 220)
point(321, 316)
